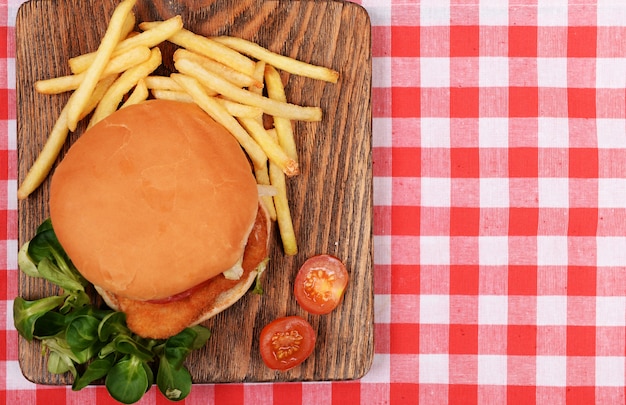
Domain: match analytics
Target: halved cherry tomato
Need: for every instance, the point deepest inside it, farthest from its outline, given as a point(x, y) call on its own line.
point(320, 284)
point(286, 342)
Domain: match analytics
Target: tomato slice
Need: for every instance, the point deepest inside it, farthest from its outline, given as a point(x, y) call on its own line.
point(320, 284)
point(286, 342)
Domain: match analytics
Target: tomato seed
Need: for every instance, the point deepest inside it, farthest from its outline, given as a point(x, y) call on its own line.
point(286, 343)
point(317, 285)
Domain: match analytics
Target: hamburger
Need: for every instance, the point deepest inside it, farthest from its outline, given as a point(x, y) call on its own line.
point(157, 206)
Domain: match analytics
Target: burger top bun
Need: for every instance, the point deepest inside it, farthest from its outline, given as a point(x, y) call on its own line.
point(153, 200)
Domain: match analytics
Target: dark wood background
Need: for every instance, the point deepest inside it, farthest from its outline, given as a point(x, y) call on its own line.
point(331, 200)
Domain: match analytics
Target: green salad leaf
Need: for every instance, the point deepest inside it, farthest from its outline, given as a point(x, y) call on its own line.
point(96, 370)
point(174, 383)
point(128, 380)
point(50, 324)
point(26, 313)
point(25, 263)
point(94, 343)
point(177, 348)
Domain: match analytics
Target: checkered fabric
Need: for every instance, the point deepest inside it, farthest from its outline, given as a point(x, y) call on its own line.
point(499, 138)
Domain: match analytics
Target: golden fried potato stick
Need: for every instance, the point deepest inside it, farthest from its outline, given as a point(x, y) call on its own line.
point(139, 94)
point(281, 202)
point(127, 80)
point(207, 47)
point(167, 83)
point(129, 25)
point(46, 158)
point(240, 110)
point(269, 106)
point(284, 130)
point(149, 38)
point(79, 98)
point(283, 213)
point(259, 75)
point(117, 64)
point(222, 116)
point(272, 149)
point(281, 62)
point(162, 83)
point(172, 95)
point(235, 77)
point(153, 37)
point(262, 176)
point(101, 88)
point(234, 109)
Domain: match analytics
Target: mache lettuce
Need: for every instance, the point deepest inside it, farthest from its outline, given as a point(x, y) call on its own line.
point(94, 343)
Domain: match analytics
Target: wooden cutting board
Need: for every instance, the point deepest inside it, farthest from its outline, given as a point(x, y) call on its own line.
point(331, 201)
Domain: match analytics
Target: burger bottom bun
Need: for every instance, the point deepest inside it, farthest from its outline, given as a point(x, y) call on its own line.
point(160, 320)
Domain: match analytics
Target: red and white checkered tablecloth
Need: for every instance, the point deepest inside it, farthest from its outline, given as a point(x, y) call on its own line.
point(499, 136)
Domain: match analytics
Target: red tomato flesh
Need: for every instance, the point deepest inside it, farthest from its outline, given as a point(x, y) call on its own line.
point(286, 342)
point(320, 284)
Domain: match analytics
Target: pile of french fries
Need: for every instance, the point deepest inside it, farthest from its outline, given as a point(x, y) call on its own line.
point(235, 81)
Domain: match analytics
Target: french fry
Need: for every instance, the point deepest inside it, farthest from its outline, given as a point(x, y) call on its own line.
point(284, 130)
point(117, 64)
point(262, 176)
point(281, 202)
point(207, 47)
point(282, 62)
point(101, 88)
point(234, 109)
point(167, 83)
point(259, 75)
point(149, 38)
point(235, 77)
point(153, 37)
point(139, 94)
point(129, 25)
point(240, 110)
point(46, 158)
point(127, 80)
point(219, 114)
point(131, 34)
point(283, 213)
point(79, 98)
point(173, 95)
point(269, 106)
point(162, 83)
point(58, 134)
point(272, 149)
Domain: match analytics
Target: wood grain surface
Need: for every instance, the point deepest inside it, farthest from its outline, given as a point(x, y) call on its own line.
point(331, 200)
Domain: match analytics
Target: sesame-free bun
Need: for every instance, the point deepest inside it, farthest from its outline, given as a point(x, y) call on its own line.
point(153, 200)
